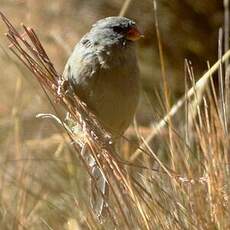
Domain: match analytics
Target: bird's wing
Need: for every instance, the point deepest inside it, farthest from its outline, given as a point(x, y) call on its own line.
point(82, 69)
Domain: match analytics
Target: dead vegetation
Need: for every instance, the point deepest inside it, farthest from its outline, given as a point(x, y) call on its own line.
point(183, 183)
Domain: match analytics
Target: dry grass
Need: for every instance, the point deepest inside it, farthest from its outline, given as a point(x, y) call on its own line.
point(181, 184)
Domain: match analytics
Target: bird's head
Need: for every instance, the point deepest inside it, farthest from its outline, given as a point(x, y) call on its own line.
point(117, 29)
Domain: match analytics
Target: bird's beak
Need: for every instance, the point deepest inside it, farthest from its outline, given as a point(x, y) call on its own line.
point(134, 34)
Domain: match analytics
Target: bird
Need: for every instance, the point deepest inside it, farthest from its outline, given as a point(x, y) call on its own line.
point(103, 72)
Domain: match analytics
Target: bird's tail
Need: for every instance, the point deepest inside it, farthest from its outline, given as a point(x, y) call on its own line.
point(99, 188)
point(98, 185)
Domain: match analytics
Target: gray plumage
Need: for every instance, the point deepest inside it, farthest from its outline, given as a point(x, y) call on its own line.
point(103, 72)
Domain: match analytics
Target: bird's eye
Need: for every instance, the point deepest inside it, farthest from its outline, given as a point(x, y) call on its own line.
point(118, 29)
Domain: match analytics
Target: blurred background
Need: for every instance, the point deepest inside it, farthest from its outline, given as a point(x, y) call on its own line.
point(189, 29)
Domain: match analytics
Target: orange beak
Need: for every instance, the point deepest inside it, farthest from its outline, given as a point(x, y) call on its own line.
point(134, 34)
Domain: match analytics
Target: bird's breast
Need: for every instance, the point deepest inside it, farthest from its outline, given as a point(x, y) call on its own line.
point(114, 95)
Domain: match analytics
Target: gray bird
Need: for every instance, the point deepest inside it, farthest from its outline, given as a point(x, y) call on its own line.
point(103, 72)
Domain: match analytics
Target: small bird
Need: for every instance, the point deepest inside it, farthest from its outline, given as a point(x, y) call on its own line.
point(103, 72)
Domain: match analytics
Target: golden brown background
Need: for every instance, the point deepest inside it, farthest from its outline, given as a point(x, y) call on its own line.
point(189, 29)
